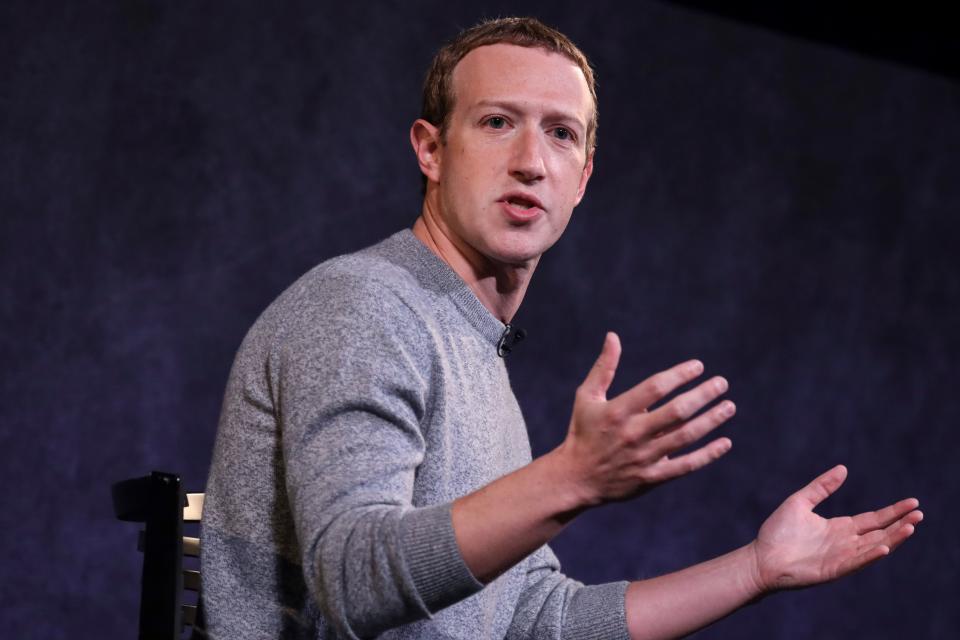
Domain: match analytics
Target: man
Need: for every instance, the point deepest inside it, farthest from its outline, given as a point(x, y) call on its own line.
point(372, 475)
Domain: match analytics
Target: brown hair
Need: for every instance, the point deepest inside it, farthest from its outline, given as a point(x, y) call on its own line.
point(525, 32)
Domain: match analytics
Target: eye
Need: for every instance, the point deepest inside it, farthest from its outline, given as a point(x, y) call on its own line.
point(496, 122)
point(562, 133)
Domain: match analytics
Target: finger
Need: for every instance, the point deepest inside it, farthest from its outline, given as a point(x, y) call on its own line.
point(880, 518)
point(865, 557)
point(658, 386)
point(900, 535)
point(601, 375)
point(892, 539)
point(695, 429)
point(686, 405)
point(682, 465)
point(894, 534)
point(823, 486)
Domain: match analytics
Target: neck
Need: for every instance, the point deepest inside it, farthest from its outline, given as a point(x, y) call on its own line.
point(499, 287)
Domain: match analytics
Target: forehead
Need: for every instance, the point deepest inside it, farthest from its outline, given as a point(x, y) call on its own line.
point(528, 74)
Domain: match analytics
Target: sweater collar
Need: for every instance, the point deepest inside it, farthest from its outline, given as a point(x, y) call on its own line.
point(433, 273)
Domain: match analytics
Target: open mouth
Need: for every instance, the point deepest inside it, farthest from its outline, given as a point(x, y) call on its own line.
point(521, 202)
point(521, 208)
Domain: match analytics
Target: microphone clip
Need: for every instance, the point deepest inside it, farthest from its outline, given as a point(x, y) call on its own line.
point(511, 336)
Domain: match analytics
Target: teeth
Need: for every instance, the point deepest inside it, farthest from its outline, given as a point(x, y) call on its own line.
point(523, 204)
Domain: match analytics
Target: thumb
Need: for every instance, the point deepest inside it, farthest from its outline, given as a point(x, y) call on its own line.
point(600, 377)
point(823, 486)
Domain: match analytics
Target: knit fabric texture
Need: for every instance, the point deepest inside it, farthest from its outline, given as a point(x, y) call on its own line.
point(365, 400)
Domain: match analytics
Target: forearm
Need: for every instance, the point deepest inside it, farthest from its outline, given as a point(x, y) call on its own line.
point(614, 450)
point(503, 522)
point(679, 603)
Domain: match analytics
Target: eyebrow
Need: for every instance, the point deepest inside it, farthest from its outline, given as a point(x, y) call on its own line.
point(551, 114)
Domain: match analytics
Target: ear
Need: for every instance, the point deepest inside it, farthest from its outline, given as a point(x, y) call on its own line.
point(425, 139)
point(585, 176)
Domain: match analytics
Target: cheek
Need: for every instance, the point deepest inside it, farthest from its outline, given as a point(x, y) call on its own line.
point(476, 176)
point(468, 167)
point(466, 192)
point(571, 182)
point(568, 167)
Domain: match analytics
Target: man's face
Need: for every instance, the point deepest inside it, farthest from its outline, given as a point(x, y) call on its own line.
point(514, 163)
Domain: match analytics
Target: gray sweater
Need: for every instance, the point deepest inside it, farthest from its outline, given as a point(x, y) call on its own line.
point(362, 403)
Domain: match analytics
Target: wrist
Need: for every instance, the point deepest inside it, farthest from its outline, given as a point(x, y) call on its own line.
point(754, 575)
point(569, 481)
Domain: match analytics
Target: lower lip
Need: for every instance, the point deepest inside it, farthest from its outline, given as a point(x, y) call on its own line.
point(519, 214)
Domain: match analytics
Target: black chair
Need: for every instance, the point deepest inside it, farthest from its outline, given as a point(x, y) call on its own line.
point(159, 501)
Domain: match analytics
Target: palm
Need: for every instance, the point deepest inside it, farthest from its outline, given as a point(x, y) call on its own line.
point(796, 547)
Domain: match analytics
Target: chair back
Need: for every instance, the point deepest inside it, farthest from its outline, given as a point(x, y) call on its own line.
point(159, 501)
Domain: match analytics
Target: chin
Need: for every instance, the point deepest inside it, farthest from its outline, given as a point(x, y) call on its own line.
point(519, 253)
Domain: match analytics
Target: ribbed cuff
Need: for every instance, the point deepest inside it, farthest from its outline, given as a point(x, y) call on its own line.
point(433, 558)
point(598, 613)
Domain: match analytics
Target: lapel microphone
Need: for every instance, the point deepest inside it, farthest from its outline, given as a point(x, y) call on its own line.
point(511, 336)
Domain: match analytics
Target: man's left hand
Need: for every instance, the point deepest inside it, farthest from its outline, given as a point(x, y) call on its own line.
point(796, 548)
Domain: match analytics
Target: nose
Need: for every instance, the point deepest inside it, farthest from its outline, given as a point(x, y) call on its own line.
point(527, 162)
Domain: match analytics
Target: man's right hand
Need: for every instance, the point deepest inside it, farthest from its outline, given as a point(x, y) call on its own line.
point(619, 448)
point(615, 449)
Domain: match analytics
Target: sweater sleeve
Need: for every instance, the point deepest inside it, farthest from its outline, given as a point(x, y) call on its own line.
point(351, 388)
point(557, 607)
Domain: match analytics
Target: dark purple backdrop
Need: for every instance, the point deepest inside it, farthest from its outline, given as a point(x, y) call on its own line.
point(786, 211)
